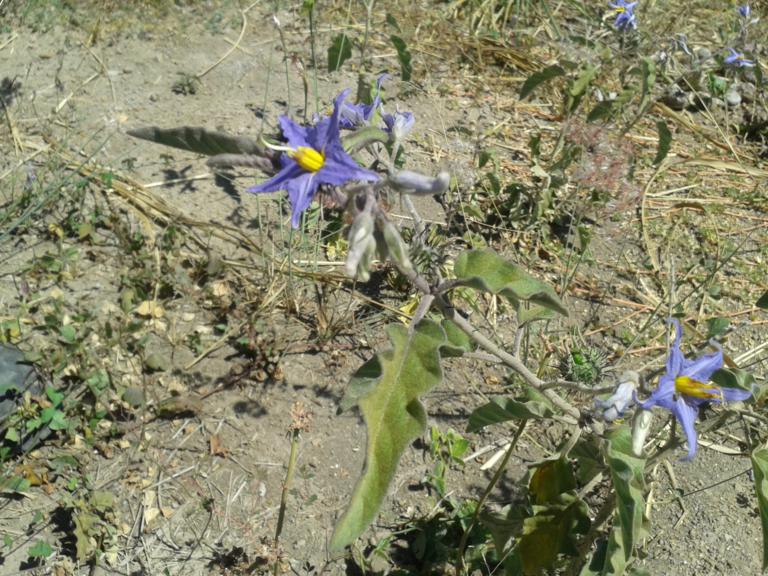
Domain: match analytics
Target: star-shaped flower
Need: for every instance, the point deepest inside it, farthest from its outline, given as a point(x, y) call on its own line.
point(737, 59)
point(684, 387)
point(313, 156)
point(356, 115)
point(625, 15)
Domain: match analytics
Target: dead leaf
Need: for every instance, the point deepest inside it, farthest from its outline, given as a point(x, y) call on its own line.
point(150, 309)
point(217, 447)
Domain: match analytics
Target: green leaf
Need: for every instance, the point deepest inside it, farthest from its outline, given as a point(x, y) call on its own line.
point(734, 378)
point(609, 558)
point(359, 139)
point(55, 397)
point(391, 21)
point(486, 270)
point(503, 525)
point(403, 56)
point(537, 78)
point(12, 435)
point(339, 52)
point(14, 485)
point(41, 549)
point(629, 484)
point(394, 417)
point(648, 73)
point(502, 409)
point(361, 383)
point(550, 479)
point(665, 141)
point(200, 140)
point(762, 302)
point(459, 341)
point(552, 531)
point(580, 86)
point(717, 326)
point(601, 110)
point(759, 459)
point(68, 334)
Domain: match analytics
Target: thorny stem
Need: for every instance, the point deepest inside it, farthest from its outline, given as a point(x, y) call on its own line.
point(461, 566)
point(284, 497)
point(512, 361)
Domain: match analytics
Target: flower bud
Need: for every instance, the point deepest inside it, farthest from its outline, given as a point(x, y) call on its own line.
point(419, 184)
point(396, 248)
point(641, 425)
point(622, 398)
point(361, 246)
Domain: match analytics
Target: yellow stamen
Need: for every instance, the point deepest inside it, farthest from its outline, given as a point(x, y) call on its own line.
point(687, 386)
point(620, 9)
point(308, 158)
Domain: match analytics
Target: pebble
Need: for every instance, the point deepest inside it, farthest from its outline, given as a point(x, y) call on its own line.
point(732, 98)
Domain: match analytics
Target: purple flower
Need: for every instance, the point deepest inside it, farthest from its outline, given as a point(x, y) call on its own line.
point(356, 115)
point(314, 155)
point(399, 124)
point(625, 15)
point(744, 11)
point(737, 59)
point(684, 388)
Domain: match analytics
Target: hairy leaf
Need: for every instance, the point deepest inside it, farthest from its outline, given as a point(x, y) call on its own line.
point(394, 417)
point(537, 78)
point(486, 270)
point(550, 479)
point(629, 484)
point(403, 56)
point(609, 558)
point(459, 341)
point(759, 459)
point(552, 531)
point(665, 141)
point(339, 52)
point(200, 140)
point(580, 86)
point(502, 409)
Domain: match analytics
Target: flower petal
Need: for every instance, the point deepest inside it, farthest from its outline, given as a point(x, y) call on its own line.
point(295, 134)
point(703, 367)
point(281, 180)
point(675, 360)
point(663, 395)
point(301, 190)
point(735, 394)
point(686, 415)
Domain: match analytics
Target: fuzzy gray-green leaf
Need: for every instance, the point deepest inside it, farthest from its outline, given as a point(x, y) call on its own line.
point(759, 459)
point(486, 270)
point(629, 484)
point(394, 417)
point(502, 409)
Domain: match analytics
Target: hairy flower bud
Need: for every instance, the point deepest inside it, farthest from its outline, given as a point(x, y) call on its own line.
point(641, 425)
point(396, 248)
point(624, 396)
point(419, 184)
point(361, 246)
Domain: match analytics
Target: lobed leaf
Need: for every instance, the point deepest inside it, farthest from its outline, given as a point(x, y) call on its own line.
point(393, 415)
point(200, 140)
point(629, 484)
point(759, 459)
point(486, 270)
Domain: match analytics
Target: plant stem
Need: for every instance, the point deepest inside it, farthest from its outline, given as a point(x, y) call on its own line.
point(461, 566)
point(512, 361)
point(284, 497)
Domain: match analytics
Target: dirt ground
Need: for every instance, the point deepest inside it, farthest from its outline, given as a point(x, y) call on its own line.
point(197, 487)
